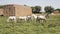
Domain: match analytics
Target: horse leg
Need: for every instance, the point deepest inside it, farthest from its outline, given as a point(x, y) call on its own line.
point(44, 20)
point(15, 20)
point(35, 20)
point(25, 20)
point(39, 20)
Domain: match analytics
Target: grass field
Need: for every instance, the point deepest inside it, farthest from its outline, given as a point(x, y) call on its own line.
point(52, 26)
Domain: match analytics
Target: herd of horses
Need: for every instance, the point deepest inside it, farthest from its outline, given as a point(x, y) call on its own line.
point(40, 18)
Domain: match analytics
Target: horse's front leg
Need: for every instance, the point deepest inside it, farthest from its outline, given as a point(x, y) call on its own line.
point(15, 20)
point(42, 21)
point(39, 20)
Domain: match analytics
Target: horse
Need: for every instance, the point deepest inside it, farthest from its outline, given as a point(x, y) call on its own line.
point(11, 18)
point(34, 17)
point(42, 17)
point(22, 18)
point(29, 18)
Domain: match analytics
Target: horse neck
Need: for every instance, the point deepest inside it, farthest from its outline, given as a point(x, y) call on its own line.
point(34, 16)
point(46, 15)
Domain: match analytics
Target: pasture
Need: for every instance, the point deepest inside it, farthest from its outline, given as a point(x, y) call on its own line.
point(52, 26)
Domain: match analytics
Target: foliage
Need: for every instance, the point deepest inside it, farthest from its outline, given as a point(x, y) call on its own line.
point(36, 9)
point(58, 9)
point(1, 6)
point(49, 9)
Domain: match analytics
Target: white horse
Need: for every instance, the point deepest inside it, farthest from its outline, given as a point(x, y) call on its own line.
point(11, 18)
point(42, 17)
point(29, 18)
point(34, 17)
point(22, 18)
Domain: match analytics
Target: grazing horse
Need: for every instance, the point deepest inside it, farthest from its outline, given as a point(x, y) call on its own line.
point(34, 17)
point(22, 18)
point(29, 18)
point(25, 18)
point(11, 18)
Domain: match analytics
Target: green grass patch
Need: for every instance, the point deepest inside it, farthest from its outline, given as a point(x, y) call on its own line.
point(51, 26)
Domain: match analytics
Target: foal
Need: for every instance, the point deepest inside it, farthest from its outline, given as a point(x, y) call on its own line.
point(11, 18)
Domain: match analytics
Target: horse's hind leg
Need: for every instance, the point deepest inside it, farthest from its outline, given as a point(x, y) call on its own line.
point(44, 21)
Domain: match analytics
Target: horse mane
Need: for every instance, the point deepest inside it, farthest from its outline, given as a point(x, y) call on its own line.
point(46, 15)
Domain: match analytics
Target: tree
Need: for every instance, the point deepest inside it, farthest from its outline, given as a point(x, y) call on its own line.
point(49, 9)
point(36, 9)
point(58, 9)
point(1, 6)
point(33, 9)
point(25, 5)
